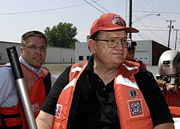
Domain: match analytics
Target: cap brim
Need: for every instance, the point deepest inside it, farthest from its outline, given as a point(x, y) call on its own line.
point(127, 29)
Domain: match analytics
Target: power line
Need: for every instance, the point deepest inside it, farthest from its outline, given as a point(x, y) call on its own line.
point(101, 6)
point(150, 38)
point(43, 10)
point(161, 7)
point(151, 30)
point(93, 6)
point(157, 36)
point(51, 9)
point(149, 5)
point(156, 12)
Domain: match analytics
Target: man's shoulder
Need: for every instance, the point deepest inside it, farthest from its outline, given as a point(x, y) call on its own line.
point(6, 73)
point(5, 68)
point(143, 74)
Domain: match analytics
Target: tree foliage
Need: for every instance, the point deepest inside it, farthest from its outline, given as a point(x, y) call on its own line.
point(62, 35)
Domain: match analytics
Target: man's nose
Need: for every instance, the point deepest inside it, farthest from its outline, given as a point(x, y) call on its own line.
point(119, 45)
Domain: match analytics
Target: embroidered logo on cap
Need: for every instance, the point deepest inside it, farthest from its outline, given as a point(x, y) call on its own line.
point(58, 111)
point(118, 21)
point(135, 108)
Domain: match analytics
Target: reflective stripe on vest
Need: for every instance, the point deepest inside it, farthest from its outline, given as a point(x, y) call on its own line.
point(65, 98)
point(133, 110)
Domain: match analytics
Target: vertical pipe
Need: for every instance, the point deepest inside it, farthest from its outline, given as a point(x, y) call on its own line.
point(18, 75)
point(169, 34)
point(130, 16)
point(176, 39)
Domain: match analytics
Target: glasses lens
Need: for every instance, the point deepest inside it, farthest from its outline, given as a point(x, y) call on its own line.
point(124, 43)
point(112, 43)
point(115, 41)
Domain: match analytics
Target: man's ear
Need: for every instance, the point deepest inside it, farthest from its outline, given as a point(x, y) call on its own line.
point(20, 50)
point(92, 46)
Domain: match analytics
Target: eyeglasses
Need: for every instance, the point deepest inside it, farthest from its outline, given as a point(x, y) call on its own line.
point(112, 43)
point(35, 48)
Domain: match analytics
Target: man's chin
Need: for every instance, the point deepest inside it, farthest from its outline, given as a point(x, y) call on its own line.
point(37, 65)
point(119, 61)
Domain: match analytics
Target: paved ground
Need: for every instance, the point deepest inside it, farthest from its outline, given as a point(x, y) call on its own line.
point(56, 69)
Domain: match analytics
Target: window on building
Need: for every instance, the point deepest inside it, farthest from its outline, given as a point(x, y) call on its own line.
point(88, 57)
point(80, 58)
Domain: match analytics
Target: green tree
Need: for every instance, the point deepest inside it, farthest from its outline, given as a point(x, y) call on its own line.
point(62, 35)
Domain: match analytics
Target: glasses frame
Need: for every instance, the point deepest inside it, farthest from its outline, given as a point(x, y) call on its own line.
point(35, 48)
point(112, 43)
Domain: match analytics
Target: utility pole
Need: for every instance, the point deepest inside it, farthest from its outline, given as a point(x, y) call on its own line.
point(170, 26)
point(130, 17)
point(176, 37)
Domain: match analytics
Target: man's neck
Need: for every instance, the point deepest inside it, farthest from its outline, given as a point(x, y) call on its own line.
point(105, 72)
point(30, 67)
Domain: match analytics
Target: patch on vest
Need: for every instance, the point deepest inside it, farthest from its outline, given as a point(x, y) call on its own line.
point(35, 107)
point(58, 111)
point(133, 93)
point(135, 108)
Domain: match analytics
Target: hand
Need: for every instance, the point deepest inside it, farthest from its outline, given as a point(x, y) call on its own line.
point(170, 88)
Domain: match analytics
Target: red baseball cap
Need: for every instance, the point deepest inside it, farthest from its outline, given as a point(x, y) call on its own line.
point(110, 21)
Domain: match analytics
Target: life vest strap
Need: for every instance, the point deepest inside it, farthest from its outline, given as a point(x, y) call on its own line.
point(9, 116)
point(11, 127)
point(47, 83)
point(3, 124)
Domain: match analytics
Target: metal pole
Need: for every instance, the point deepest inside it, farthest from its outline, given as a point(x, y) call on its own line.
point(18, 75)
point(170, 26)
point(130, 17)
point(176, 38)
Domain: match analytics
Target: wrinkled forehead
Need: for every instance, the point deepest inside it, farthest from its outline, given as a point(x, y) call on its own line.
point(120, 34)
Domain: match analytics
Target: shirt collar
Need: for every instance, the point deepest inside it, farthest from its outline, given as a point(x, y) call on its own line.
point(30, 67)
point(90, 66)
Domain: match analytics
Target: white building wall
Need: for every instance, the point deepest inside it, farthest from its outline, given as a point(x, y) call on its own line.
point(60, 55)
point(3, 52)
point(81, 50)
point(143, 51)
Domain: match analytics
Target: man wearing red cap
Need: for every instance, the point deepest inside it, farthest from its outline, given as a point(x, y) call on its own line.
point(106, 92)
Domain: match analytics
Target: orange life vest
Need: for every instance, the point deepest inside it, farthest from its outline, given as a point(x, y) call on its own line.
point(141, 62)
point(14, 116)
point(133, 110)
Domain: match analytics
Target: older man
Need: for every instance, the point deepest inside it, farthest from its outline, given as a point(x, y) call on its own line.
point(106, 92)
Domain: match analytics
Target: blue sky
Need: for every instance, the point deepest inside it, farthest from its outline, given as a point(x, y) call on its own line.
point(20, 16)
